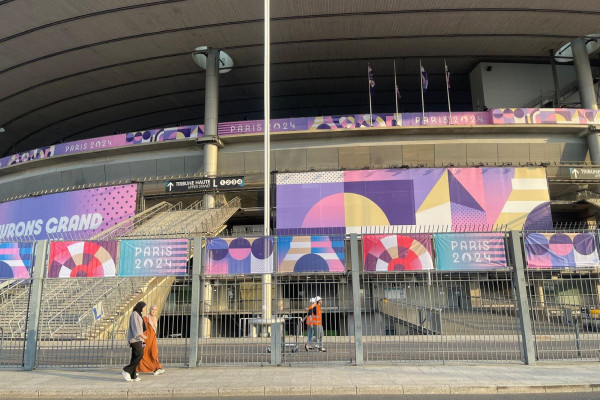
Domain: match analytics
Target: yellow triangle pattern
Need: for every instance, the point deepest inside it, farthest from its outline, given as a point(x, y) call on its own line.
point(439, 195)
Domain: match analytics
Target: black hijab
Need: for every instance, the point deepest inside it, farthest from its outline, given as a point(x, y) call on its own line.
point(138, 308)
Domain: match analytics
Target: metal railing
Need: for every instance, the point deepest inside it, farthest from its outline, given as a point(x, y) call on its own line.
point(563, 309)
point(440, 317)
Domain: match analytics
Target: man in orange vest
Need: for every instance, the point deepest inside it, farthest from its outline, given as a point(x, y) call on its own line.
point(309, 318)
point(318, 323)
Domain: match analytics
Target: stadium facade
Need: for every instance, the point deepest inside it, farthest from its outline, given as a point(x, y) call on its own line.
point(474, 121)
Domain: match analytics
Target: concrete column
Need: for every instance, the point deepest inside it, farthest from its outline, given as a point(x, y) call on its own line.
point(35, 304)
point(358, 342)
point(587, 93)
point(522, 300)
point(195, 306)
point(211, 120)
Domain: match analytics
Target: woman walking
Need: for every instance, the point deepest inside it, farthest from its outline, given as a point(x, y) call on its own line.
point(135, 338)
point(150, 361)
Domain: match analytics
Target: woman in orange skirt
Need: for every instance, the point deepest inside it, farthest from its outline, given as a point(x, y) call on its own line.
point(150, 361)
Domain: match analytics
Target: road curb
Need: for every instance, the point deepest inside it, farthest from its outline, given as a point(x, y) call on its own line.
point(321, 390)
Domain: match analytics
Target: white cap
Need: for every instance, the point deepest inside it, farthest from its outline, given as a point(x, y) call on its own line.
point(312, 300)
point(317, 299)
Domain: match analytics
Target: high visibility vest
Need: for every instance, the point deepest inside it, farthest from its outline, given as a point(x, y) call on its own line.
point(317, 320)
point(310, 319)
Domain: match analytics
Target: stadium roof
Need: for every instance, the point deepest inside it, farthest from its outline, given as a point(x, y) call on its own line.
point(72, 69)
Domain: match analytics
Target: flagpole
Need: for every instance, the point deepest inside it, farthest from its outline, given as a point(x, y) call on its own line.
point(422, 97)
point(396, 91)
point(370, 105)
point(448, 91)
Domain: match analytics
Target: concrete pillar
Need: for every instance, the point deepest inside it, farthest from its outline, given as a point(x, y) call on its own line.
point(522, 300)
point(587, 94)
point(195, 305)
point(356, 307)
point(211, 120)
point(35, 304)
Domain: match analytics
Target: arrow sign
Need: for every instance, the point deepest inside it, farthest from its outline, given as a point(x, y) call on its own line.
point(170, 185)
point(585, 173)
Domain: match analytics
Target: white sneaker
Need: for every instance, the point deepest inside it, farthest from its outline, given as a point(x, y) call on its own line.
point(137, 379)
point(126, 376)
point(159, 371)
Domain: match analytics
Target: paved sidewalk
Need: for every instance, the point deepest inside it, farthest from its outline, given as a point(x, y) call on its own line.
point(304, 380)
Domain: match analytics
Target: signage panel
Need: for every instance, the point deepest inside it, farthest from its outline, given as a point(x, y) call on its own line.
point(204, 184)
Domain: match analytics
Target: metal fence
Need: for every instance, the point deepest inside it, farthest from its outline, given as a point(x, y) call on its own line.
point(565, 314)
point(14, 304)
point(409, 316)
point(440, 317)
point(83, 321)
point(233, 330)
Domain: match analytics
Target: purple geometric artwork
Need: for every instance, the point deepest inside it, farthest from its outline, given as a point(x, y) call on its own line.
point(561, 250)
point(239, 256)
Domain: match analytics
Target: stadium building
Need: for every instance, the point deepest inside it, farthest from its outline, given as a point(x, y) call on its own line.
point(431, 173)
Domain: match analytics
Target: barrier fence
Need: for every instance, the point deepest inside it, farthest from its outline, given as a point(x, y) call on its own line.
point(427, 313)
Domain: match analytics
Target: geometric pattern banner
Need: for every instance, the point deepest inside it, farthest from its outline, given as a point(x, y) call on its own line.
point(82, 259)
point(470, 251)
point(16, 260)
point(158, 257)
point(239, 256)
point(460, 198)
point(310, 254)
point(383, 253)
point(561, 250)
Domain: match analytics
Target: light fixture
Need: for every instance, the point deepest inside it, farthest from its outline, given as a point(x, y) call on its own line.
point(2, 130)
point(199, 56)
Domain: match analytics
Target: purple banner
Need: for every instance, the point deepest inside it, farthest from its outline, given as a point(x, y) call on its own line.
point(561, 250)
point(16, 260)
point(503, 116)
point(153, 257)
point(495, 116)
point(83, 213)
point(258, 126)
point(229, 256)
point(478, 198)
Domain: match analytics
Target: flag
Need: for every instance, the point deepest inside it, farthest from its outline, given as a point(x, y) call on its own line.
point(447, 75)
point(424, 79)
point(398, 93)
point(371, 81)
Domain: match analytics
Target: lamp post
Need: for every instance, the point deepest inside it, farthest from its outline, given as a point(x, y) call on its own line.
point(266, 281)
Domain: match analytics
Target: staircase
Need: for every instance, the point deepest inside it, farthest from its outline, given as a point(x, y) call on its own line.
point(68, 304)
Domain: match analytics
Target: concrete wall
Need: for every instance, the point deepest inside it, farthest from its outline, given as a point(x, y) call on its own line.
point(327, 153)
point(499, 85)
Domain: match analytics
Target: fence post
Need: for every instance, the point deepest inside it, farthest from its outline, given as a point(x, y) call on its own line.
point(522, 300)
point(358, 343)
point(35, 304)
point(195, 306)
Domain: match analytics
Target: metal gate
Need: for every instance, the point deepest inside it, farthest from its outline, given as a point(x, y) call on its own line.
point(14, 307)
point(440, 316)
point(232, 330)
point(83, 321)
point(565, 314)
